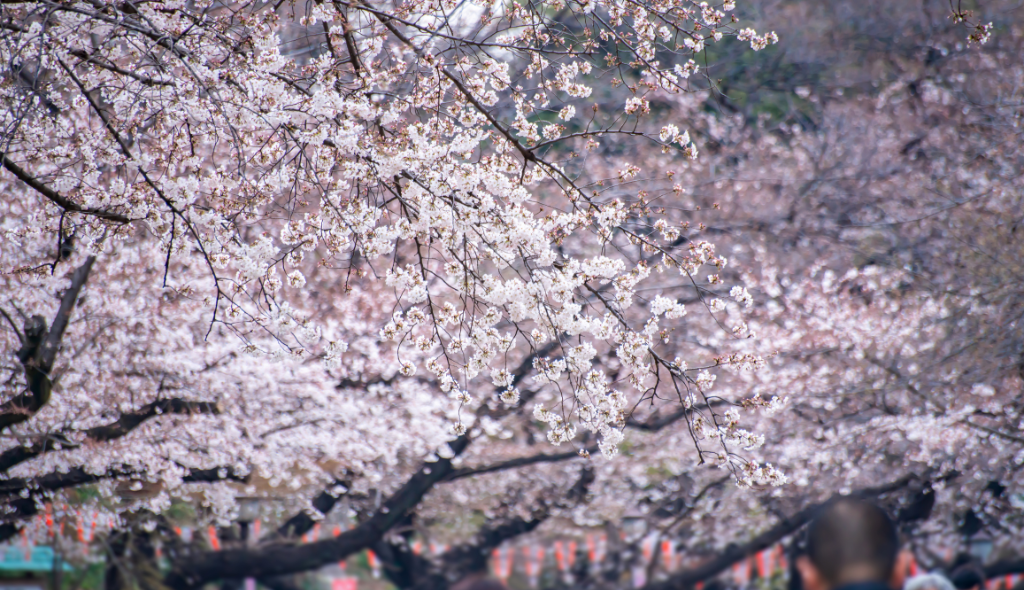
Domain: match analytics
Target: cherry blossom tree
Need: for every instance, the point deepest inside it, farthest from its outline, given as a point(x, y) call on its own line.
point(373, 252)
point(251, 246)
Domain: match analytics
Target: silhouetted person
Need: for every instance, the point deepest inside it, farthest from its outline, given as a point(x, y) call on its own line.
point(852, 545)
point(968, 577)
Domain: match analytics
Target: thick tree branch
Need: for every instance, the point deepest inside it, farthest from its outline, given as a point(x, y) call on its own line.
point(55, 197)
point(302, 523)
point(108, 432)
point(132, 420)
point(39, 352)
point(1004, 567)
point(281, 558)
point(281, 583)
point(298, 525)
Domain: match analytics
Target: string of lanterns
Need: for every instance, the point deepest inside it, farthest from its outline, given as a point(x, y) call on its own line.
point(764, 564)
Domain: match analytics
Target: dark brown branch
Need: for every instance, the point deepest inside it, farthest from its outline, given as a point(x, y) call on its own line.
point(108, 432)
point(38, 353)
point(281, 583)
point(1004, 567)
point(514, 463)
point(296, 526)
point(656, 423)
point(56, 481)
point(282, 558)
point(302, 523)
point(472, 557)
point(132, 420)
point(58, 199)
point(649, 426)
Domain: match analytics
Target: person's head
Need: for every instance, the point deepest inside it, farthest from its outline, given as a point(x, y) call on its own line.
point(928, 582)
point(967, 577)
point(848, 542)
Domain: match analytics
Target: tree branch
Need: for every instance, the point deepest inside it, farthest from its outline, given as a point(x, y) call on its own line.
point(39, 352)
point(302, 523)
point(281, 558)
point(132, 420)
point(108, 432)
point(514, 463)
point(55, 197)
point(1004, 567)
point(649, 426)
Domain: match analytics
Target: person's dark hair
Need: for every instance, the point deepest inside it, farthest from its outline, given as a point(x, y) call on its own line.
point(967, 577)
point(853, 538)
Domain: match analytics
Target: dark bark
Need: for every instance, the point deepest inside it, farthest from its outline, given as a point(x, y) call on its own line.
point(1004, 567)
point(55, 197)
point(295, 527)
point(303, 522)
point(400, 565)
point(514, 463)
point(114, 574)
point(656, 423)
point(39, 352)
point(131, 557)
point(108, 432)
point(131, 420)
point(472, 557)
point(281, 583)
point(282, 557)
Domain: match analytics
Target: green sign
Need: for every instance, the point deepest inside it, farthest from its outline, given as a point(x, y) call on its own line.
point(28, 559)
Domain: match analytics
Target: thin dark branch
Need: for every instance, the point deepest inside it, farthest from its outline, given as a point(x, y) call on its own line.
point(58, 199)
point(514, 463)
